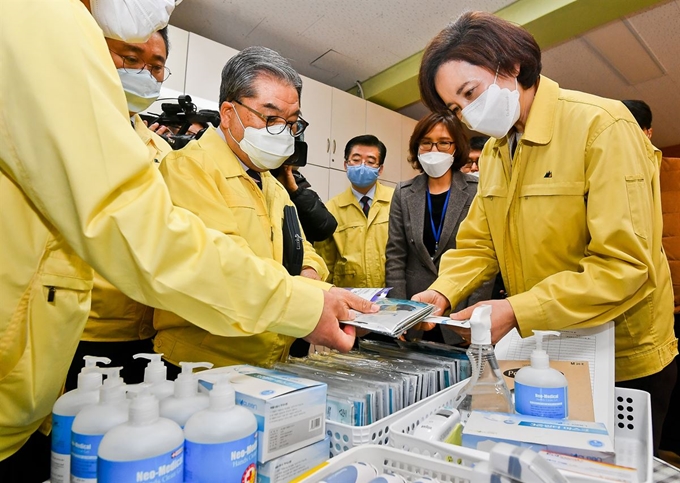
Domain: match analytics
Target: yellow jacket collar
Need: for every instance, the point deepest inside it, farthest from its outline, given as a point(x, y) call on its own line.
point(541, 120)
point(225, 158)
point(347, 198)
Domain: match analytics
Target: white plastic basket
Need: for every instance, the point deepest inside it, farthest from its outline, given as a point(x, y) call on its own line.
point(345, 437)
point(409, 465)
point(632, 433)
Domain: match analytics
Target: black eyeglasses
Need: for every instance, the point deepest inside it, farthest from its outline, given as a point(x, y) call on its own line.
point(277, 124)
point(134, 65)
point(441, 145)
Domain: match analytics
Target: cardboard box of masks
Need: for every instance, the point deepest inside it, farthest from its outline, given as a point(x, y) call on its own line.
point(290, 410)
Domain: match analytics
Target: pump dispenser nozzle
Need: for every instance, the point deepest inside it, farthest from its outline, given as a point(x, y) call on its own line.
point(113, 389)
point(144, 406)
point(539, 357)
point(92, 361)
point(155, 371)
point(222, 395)
point(186, 384)
point(480, 323)
point(90, 376)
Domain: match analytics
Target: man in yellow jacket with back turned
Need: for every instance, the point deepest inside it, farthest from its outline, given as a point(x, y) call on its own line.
point(224, 178)
point(77, 191)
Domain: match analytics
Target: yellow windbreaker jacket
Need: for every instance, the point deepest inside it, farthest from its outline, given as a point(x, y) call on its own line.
point(76, 183)
point(355, 254)
point(207, 179)
point(574, 223)
point(115, 317)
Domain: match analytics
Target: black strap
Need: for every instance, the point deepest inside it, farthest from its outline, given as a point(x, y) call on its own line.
point(293, 249)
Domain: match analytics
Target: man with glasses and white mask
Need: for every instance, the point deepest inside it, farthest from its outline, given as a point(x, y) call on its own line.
point(78, 191)
point(355, 255)
point(224, 178)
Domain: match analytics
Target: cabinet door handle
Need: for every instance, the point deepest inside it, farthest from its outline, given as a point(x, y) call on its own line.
point(333, 146)
point(328, 145)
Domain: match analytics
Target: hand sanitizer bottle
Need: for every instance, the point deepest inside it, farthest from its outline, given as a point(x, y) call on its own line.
point(146, 448)
point(221, 440)
point(93, 422)
point(64, 412)
point(539, 389)
point(186, 400)
point(156, 375)
point(486, 390)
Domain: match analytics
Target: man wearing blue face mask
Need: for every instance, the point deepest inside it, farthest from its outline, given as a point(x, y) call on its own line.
point(355, 255)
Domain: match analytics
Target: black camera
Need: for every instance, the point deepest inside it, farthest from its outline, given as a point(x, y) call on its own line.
point(179, 118)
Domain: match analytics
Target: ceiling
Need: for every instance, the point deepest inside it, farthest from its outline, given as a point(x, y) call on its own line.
point(342, 41)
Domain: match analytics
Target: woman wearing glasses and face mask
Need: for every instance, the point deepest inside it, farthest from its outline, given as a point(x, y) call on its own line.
point(568, 205)
point(427, 210)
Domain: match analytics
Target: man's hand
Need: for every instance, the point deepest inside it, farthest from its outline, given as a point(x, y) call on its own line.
point(502, 319)
point(309, 272)
point(287, 179)
point(328, 332)
point(431, 297)
point(158, 129)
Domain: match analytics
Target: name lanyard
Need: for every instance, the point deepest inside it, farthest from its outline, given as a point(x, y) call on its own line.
point(437, 233)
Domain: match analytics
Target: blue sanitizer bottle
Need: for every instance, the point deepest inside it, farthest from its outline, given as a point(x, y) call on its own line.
point(221, 441)
point(539, 389)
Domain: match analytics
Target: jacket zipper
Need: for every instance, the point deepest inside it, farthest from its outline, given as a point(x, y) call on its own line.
point(51, 291)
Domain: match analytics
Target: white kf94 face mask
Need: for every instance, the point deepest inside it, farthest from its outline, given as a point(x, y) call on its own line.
point(435, 164)
point(132, 21)
point(494, 112)
point(141, 89)
point(265, 150)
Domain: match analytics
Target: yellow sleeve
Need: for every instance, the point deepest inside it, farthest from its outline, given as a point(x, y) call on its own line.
point(66, 140)
point(327, 249)
point(472, 262)
point(622, 219)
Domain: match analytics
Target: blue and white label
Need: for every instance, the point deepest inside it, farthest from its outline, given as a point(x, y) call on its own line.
point(544, 402)
point(165, 468)
point(84, 457)
point(233, 462)
point(61, 433)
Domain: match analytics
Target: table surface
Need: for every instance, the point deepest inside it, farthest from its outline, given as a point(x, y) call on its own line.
point(665, 473)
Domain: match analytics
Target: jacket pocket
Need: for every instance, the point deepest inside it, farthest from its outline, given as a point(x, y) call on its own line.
point(640, 214)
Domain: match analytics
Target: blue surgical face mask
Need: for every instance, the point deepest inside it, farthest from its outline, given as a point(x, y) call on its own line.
point(362, 176)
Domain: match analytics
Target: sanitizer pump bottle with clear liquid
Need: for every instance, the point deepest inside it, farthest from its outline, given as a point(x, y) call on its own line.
point(486, 390)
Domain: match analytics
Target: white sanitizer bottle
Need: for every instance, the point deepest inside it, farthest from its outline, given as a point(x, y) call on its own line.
point(92, 423)
point(64, 412)
point(221, 441)
point(539, 389)
point(156, 375)
point(147, 448)
point(186, 400)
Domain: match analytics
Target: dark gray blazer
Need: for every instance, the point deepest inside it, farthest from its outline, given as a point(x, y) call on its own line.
point(409, 268)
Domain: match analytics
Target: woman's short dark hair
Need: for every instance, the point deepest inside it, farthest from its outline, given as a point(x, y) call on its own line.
point(455, 130)
point(481, 39)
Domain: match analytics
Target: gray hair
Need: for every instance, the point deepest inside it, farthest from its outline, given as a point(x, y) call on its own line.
point(242, 70)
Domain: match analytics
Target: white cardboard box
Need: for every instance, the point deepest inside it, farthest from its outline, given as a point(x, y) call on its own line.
point(290, 410)
point(575, 438)
point(286, 468)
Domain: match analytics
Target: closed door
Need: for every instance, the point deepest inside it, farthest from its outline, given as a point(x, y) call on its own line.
point(348, 120)
point(315, 106)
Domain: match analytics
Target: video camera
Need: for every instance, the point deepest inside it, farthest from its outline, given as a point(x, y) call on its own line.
point(179, 118)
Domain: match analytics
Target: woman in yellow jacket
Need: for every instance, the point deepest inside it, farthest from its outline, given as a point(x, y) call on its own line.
point(568, 206)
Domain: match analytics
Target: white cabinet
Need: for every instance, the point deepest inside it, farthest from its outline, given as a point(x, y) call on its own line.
point(318, 178)
point(407, 126)
point(337, 182)
point(316, 106)
point(205, 60)
point(386, 126)
point(177, 59)
point(348, 119)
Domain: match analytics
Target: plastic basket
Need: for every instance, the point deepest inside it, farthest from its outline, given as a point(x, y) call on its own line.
point(345, 437)
point(632, 433)
point(409, 465)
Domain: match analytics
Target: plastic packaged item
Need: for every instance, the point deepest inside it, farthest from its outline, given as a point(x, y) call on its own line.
point(221, 440)
point(92, 422)
point(426, 479)
point(64, 412)
point(539, 389)
point(156, 375)
point(354, 473)
point(185, 401)
point(146, 446)
point(438, 426)
point(523, 464)
point(388, 478)
point(486, 390)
